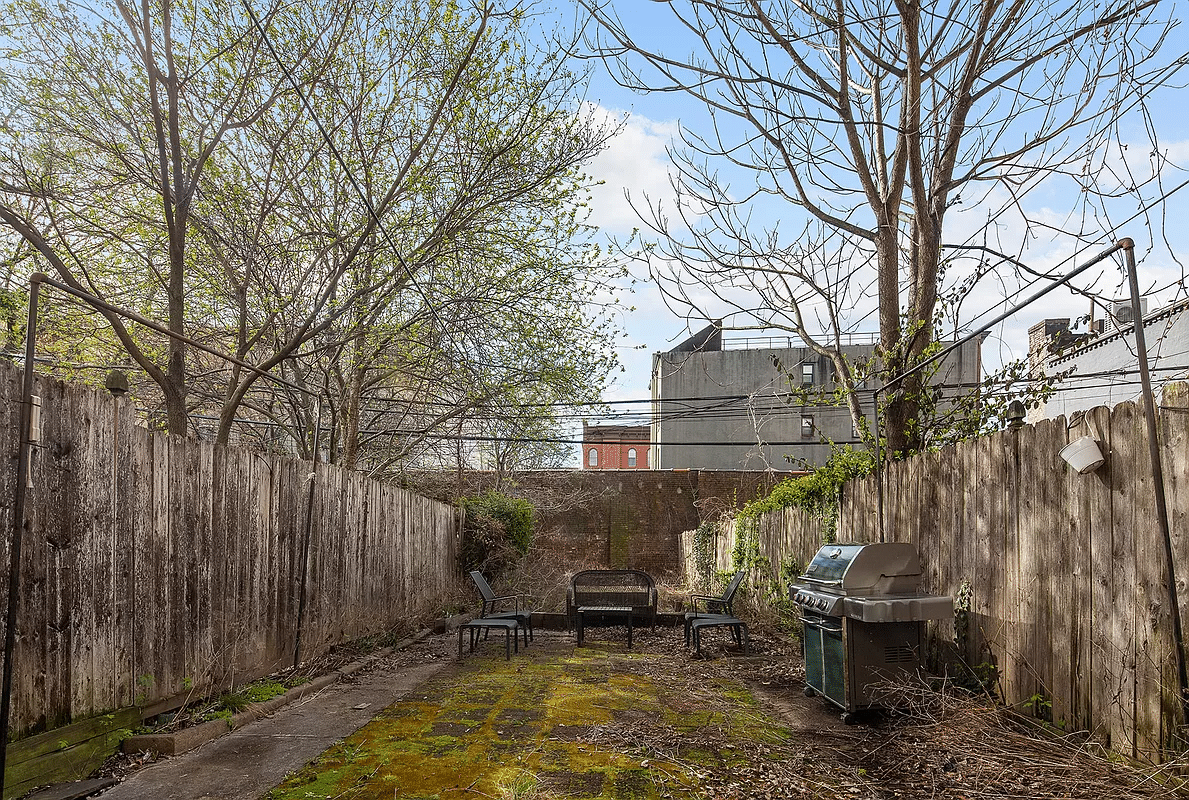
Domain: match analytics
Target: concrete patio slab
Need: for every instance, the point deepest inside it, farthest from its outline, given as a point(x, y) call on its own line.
point(245, 763)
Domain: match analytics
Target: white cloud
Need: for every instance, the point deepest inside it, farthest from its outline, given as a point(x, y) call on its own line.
point(635, 163)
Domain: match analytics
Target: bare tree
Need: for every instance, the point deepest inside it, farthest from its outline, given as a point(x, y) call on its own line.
point(860, 125)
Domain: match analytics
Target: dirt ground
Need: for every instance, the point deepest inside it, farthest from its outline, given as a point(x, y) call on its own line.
point(655, 722)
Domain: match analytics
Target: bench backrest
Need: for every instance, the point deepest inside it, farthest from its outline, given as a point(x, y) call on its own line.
point(613, 587)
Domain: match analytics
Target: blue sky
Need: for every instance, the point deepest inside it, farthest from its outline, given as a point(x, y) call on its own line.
point(636, 163)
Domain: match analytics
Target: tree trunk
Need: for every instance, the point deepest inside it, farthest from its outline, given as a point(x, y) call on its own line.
point(351, 403)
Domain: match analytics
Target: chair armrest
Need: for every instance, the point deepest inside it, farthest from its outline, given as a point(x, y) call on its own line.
point(714, 605)
point(694, 599)
point(493, 602)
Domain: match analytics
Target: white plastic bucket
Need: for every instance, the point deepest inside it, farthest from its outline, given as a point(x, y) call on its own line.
point(1083, 455)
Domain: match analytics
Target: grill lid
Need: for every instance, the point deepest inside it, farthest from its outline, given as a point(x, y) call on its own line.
point(865, 569)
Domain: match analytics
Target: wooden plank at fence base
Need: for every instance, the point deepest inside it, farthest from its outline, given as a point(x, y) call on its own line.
point(1050, 646)
point(986, 580)
point(968, 523)
point(1016, 610)
point(1174, 435)
point(1081, 595)
point(1105, 657)
point(1122, 461)
point(66, 754)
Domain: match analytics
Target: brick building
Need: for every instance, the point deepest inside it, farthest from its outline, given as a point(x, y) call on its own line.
point(614, 446)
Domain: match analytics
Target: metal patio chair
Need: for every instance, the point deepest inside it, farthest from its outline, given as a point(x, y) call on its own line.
point(713, 606)
point(490, 608)
point(720, 604)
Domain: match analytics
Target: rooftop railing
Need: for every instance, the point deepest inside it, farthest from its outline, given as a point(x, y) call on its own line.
point(782, 342)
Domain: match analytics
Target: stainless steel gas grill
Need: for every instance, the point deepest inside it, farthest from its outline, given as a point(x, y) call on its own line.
point(863, 619)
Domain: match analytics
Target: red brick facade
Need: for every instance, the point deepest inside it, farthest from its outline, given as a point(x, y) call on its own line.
point(614, 446)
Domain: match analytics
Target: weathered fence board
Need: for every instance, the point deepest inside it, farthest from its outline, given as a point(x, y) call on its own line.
point(155, 565)
point(1081, 594)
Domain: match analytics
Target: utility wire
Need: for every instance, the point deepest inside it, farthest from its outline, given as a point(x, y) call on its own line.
point(774, 400)
point(1054, 272)
point(701, 415)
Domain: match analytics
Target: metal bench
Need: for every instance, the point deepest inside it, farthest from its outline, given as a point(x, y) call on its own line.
point(610, 597)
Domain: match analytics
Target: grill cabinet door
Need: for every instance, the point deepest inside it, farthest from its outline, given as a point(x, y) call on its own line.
point(811, 643)
point(825, 662)
point(882, 655)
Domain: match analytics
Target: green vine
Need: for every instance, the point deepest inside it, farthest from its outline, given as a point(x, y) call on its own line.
point(747, 541)
point(962, 614)
point(816, 493)
point(704, 555)
point(791, 568)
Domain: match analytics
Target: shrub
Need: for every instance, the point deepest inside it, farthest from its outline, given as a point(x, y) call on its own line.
point(497, 531)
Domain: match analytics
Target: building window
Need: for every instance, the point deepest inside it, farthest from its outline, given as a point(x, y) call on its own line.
point(807, 374)
point(592, 458)
point(806, 427)
point(631, 456)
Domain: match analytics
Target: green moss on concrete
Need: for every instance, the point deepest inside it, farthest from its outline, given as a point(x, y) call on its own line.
point(517, 731)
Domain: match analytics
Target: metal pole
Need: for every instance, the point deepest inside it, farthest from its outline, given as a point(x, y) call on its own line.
point(18, 520)
point(1141, 349)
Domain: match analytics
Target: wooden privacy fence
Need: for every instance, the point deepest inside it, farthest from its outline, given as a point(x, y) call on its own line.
point(155, 565)
point(1063, 574)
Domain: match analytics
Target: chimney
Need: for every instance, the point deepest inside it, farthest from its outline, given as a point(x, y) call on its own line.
point(1040, 338)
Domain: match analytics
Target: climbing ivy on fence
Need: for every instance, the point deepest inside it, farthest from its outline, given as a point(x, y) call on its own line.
point(704, 556)
point(817, 493)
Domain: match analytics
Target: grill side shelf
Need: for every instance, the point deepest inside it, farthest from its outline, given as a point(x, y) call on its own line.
point(901, 609)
